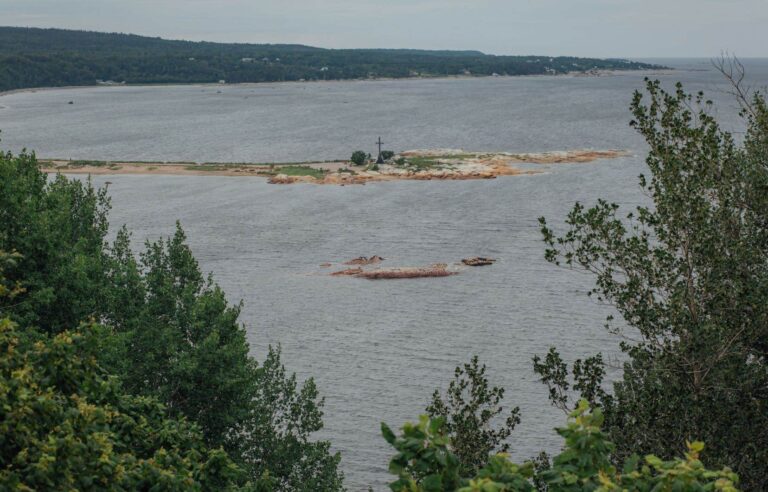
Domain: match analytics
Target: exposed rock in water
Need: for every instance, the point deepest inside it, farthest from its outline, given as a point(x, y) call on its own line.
point(282, 179)
point(365, 260)
point(478, 261)
point(325, 265)
point(437, 270)
point(352, 272)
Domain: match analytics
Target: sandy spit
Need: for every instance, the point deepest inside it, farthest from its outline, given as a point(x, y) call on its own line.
point(443, 164)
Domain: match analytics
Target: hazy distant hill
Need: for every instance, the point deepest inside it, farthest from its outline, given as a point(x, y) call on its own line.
point(31, 57)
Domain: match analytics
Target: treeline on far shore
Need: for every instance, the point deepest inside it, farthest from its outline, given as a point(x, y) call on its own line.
point(32, 57)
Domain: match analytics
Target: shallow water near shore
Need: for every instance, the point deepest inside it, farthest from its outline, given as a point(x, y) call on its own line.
point(377, 349)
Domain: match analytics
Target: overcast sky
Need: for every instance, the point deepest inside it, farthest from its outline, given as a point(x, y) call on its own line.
point(603, 28)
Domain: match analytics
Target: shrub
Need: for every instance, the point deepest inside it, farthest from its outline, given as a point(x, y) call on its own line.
point(470, 408)
point(358, 157)
point(276, 437)
point(387, 154)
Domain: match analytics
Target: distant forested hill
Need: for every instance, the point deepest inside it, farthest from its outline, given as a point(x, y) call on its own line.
point(31, 57)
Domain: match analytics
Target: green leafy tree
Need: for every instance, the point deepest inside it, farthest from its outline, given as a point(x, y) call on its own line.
point(587, 379)
point(689, 277)
point(387, 154)
point(358, 157)
point(424, 463)
point(275, 437)
point(9, 290)
point(181, 341)
point(470, 409)
point(59, 225)
point(67, 425)
point(172, 334)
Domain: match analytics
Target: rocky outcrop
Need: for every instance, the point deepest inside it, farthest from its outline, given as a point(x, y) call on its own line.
point(478, 261)
point(436, 270)
point(285, 179)
point(282, 179)
point(363, 260)
point(345, 178)
point(350, 272)
point(566, 156)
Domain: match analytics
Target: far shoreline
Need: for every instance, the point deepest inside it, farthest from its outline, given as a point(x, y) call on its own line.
point(601, 73)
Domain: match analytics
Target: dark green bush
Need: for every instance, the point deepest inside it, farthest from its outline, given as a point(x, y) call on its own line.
point(474, 417)
point(358, 157)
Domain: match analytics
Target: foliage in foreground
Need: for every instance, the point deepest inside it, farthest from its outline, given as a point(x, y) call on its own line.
point(425, 463)
point(469, 409)
point(180, 340)
point(275, 437)
point(177, 337)
point(689, 277)
point(58, 228)
point(170, 333)
point(67, 425)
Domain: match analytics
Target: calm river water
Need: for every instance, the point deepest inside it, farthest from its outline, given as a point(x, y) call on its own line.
point(376, 349)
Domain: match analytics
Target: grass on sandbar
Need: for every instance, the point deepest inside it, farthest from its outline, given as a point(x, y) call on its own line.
point(301, 171)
